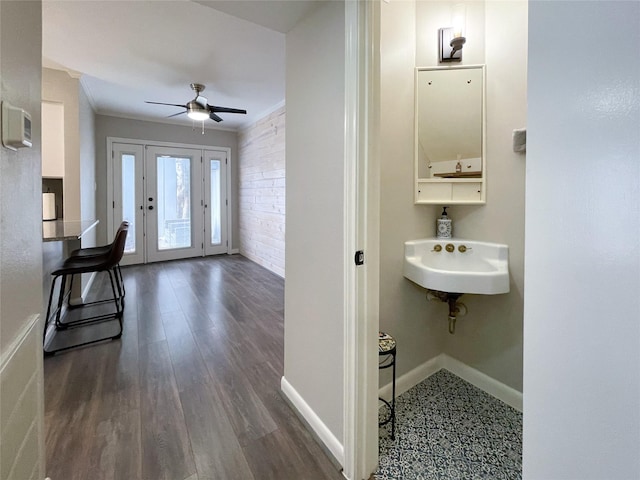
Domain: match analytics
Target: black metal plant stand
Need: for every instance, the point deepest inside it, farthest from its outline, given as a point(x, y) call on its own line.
point(387, 356)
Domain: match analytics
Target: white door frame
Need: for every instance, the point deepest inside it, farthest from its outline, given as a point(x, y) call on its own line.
point(361, 225)
point(111, 228)
point(115, 189)
point(207, 157)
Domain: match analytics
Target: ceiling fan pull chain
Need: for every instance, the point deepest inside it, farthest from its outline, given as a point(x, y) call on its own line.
point(203, 127)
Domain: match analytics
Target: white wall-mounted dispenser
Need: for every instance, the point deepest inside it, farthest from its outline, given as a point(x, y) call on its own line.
point(16, 127)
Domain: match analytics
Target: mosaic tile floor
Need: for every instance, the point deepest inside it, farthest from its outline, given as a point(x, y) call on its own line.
point(448, 429)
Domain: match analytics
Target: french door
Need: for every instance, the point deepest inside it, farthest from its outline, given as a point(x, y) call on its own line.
point(172, 203)
point(174, 199)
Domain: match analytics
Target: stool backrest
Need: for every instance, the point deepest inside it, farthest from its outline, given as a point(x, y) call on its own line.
point(117, 250)
point(122, 226)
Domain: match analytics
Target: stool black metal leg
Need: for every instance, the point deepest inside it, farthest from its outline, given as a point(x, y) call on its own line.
point(393, 400)
point(121, 280)
point(117, 300)
point(48, 317)
point(63, 286)
point(116, 294)
point(117, 315)
point(53, 285)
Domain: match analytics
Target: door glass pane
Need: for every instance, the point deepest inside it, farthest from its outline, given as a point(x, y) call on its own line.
point(214, 202)
point(129, 199)
point(174, 202)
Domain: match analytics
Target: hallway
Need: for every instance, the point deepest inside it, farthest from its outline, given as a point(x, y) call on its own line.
point(192, 389)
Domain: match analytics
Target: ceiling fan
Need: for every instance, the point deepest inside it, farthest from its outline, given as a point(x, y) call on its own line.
point(199, 109)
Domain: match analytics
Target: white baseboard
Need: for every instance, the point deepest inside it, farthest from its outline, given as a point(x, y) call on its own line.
point(412, 377)
point(318, 427)
point(493, 387)
point(233, 251)
point(484, 382)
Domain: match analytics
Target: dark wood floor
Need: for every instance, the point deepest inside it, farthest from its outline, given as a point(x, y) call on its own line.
point(190, 391)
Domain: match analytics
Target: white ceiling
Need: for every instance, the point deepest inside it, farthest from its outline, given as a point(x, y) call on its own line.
point(132, 51)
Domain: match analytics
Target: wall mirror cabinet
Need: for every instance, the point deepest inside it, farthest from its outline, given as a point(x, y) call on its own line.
point(450, 159)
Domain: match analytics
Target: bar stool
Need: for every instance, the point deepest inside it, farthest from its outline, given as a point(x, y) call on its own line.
point(387, 359)
point(103, 250)
point(75, 265)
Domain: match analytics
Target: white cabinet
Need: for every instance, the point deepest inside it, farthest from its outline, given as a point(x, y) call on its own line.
point(52, 140)
point(460, 192)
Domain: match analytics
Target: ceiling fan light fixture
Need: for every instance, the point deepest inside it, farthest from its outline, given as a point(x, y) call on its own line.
point(199, 109)
point(195, 111)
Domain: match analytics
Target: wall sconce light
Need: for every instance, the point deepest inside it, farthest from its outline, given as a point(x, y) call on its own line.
point(451, 39)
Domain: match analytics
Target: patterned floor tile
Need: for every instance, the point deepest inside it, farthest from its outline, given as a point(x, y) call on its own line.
point(448, 429)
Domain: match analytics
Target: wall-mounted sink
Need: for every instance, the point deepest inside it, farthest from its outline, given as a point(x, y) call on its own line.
point(457, 266)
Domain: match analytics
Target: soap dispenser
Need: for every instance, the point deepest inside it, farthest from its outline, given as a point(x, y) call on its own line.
point(444, 225)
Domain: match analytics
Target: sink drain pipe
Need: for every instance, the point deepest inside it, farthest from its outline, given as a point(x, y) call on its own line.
point(456, 309)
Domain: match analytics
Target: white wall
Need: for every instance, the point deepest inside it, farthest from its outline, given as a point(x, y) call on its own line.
point(87, 163)
point(107, 126)
point(52, 140)
point(79, 152)
point(582, 303)
point(314, 290)
point(489, 337)
point(403, 306)
point(261, 194)
point(58, 86)
point(21, 401)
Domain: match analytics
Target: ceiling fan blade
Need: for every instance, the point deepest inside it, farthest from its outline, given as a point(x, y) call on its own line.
point(213, 108)
point(176, 114)
point(215, 117)
point(170, 104)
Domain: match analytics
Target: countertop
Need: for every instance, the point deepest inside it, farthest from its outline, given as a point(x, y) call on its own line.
point(59, 230)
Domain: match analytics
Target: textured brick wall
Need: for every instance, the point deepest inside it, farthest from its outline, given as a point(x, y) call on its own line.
point(261, 166)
